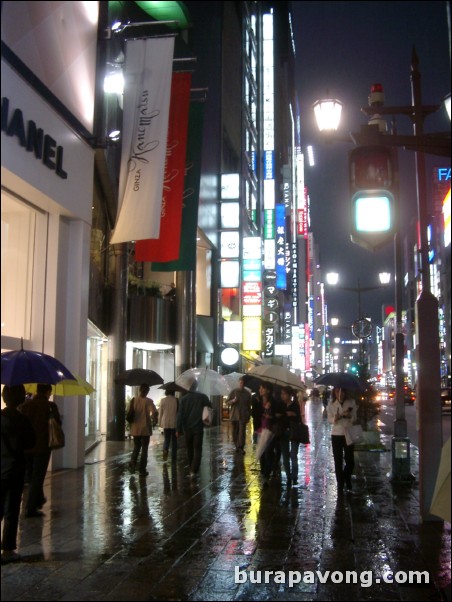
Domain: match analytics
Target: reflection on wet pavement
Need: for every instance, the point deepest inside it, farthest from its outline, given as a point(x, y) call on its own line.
point(111, 535)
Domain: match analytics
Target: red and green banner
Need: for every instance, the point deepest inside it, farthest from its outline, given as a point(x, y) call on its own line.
point(166, 246)
point(187, 257)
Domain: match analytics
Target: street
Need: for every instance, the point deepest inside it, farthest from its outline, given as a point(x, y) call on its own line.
point(387, 417)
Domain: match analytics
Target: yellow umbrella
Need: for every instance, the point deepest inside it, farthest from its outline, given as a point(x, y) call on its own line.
point(66, 388)
point(441, 496)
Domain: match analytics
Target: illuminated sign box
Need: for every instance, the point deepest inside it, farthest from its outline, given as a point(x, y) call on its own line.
point(232, 332)
point(251, 293)
point(230, 215)
point(252, 337)
point(229, 244)
point(230, 186)
point(229, 274)
point(252, 247)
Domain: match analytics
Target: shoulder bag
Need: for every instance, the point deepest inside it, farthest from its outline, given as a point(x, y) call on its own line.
point(56, 433)
point(130, 412)
point(299, 432)
point(207, 415)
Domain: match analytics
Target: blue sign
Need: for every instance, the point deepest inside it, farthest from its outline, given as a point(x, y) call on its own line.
point(280, 239)
point(269, 165)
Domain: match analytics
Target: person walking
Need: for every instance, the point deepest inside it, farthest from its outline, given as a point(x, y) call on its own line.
point(289, 448)
point(144, 411)
point(168, 422)
point(268, 423)
point(240, 403)
point(18, 435)
point(38, 410)
point(190, 424)
point(342, 413)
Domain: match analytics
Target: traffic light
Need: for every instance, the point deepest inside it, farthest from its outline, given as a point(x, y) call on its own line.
point(372, 184)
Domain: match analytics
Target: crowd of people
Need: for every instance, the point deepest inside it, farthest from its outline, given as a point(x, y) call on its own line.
point(274, 412)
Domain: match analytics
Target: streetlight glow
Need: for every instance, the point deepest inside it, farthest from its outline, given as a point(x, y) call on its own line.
point(328, 114)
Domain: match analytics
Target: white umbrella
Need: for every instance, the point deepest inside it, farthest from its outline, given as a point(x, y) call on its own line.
point(278, 376)
point(233, 379)
point(208, 381)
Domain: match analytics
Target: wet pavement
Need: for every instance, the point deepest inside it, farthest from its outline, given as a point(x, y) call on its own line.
point(110, 535)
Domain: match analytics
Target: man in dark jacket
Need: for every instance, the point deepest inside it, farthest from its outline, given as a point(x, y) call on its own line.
point(38, 410)
point(17, 436)
point(189, 423)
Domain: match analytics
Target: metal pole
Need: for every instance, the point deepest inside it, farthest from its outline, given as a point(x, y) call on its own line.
point(427, 331)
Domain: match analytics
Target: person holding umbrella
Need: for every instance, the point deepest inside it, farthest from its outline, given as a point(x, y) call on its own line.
point(17, 436)
point(141, 428)
point(190, 424)
point(341, 413)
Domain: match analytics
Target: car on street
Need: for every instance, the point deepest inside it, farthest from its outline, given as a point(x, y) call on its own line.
point(445, 397)
point(409, 396)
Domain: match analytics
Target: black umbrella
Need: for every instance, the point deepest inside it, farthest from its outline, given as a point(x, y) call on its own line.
point(139, 376)
point(344, 380)
point(172, 386)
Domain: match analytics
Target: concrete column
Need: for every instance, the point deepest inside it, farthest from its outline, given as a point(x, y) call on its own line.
point(117, 352)
point(185, 356)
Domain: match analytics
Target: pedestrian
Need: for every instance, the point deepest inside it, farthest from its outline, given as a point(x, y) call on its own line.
point(190, 424)
point(18, 435)
point(144, 413)
point(168, 422)
point(290, 448)
point(268, 421)
point(256, 414)
point(39, 410)
point(240, 403)
point(341, 414)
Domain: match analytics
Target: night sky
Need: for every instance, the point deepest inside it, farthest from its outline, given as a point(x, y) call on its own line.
point(343, 48)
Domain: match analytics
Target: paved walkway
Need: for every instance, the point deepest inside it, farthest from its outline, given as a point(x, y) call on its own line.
point(109, 535)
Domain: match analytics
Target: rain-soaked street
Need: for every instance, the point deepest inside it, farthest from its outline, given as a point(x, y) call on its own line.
point(110, 535)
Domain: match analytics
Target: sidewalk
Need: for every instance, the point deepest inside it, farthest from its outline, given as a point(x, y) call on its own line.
point(109, 535)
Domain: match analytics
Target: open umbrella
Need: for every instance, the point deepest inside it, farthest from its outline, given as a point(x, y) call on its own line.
point(344, 380)
point(172, 386)
point(440, 505)
point(278, 375)
point(233, 379)
point(66, 388)
point(139, 376)
point(208, 381)
point(23, 366)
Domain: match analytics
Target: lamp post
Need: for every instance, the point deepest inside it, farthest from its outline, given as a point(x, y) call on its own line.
point(427, 324)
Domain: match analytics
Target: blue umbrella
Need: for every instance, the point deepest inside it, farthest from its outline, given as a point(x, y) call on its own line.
point(344, 380)
point(23, 366)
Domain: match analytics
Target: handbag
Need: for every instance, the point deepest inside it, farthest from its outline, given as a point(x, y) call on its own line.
point(56, 433)
point(354, 434)
point(130, 415)
point(299, 432)
point(207, 414)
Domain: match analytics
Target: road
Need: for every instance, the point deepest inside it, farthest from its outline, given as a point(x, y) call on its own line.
point(387, 417)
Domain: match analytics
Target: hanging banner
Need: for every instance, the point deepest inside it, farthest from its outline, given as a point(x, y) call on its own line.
point(166, 246)
point(147, 89)
point(187, 256)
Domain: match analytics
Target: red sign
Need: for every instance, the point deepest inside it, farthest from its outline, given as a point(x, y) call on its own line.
point(251, 293)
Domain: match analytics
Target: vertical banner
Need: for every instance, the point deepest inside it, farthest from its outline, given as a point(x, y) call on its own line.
point(147, 89)
point(187, 255)
point(166, 246)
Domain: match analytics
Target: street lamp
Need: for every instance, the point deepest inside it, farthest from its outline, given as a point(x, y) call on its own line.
point(427, 323)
